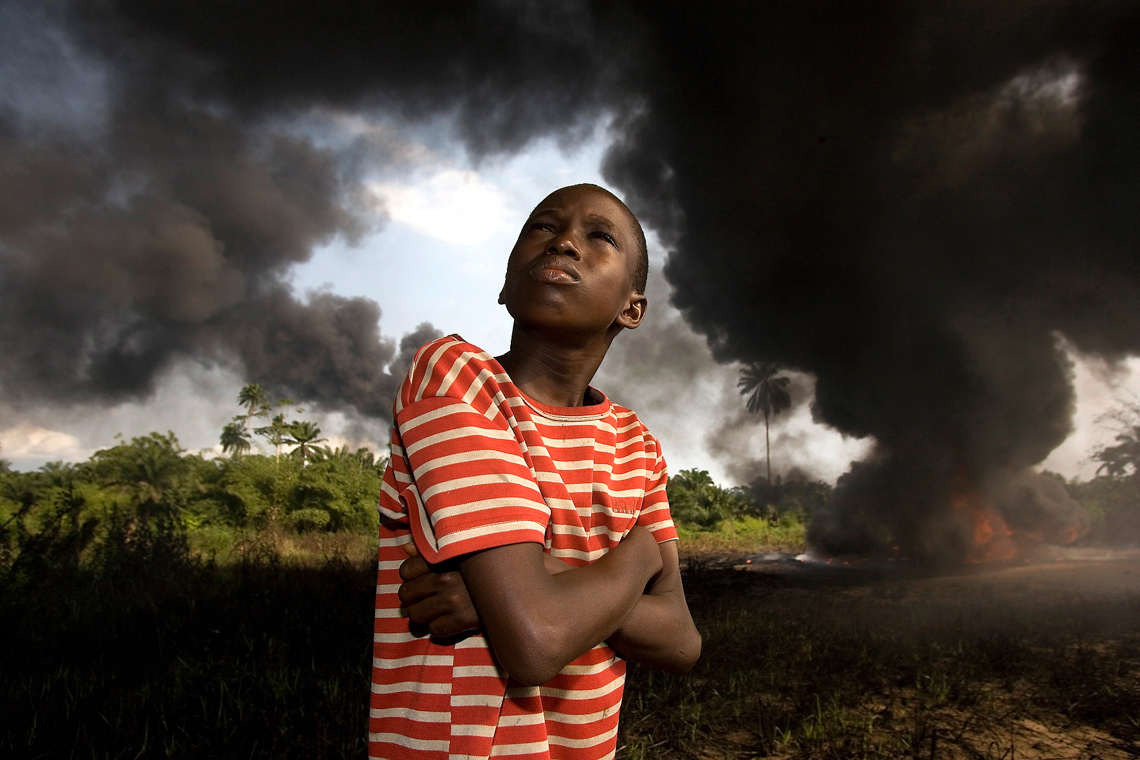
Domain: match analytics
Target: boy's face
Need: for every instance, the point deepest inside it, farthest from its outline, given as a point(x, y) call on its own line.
point(571, 271)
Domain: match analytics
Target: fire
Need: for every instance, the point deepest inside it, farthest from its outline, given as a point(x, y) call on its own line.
point(993, 539)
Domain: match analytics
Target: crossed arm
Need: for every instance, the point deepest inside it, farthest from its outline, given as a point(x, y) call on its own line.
point(539, 613)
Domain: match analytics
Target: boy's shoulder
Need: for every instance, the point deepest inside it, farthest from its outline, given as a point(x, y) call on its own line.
point(626, 417)
point(628, 421)
point(446, 366)
point(447, 350)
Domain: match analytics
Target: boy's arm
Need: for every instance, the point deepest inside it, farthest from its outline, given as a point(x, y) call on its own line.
point(659, 631)
point(537, 623)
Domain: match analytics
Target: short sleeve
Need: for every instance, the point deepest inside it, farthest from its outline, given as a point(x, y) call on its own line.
point(655, 515)
point(471, 487)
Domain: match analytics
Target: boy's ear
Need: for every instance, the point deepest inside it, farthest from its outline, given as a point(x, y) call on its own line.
point(633, 312)
point(501, 295)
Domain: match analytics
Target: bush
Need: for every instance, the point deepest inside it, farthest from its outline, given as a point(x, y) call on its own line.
point(309, 519)
point(696, 501)
point(745, 535)
point(798, 498)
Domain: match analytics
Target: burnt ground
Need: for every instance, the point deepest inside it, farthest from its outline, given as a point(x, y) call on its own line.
point(1024, 660)
point(179, 658)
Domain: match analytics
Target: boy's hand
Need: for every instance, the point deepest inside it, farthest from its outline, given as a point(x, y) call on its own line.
point(436, 600)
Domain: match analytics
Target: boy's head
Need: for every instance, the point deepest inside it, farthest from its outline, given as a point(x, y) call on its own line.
point(580, 264)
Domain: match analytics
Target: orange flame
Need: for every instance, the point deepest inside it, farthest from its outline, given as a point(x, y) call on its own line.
point(993, 538)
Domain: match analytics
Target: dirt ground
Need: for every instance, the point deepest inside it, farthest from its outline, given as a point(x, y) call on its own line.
point(1034, 660)
point(1017, 728)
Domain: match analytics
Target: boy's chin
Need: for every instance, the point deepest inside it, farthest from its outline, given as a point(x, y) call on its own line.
point(557, 331)
point(557, 319)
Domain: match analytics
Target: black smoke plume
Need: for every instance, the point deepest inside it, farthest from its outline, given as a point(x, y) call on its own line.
point(917, 203)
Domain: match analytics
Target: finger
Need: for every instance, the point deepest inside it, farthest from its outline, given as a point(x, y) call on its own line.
point(444, 626)
point(449, 625)
point(411, 550)
point(414, 567)
point(418, 589)
point(452, 601)
point(425, 611)
point(468, 619)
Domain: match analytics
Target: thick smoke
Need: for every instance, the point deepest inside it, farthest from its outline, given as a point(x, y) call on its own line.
point(162, 167)
point(914, 202)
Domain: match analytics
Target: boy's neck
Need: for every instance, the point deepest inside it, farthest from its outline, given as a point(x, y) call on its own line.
point(550, 372)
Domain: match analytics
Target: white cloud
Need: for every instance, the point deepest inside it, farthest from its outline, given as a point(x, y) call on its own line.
point(26, 441)
point(457, 206)
point(341, 441)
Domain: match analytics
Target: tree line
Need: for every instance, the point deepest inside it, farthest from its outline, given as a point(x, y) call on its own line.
point(152, 487)
point(696, 500)
point(278, 472)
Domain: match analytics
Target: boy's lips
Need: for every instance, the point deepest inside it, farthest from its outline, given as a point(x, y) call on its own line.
point(554, 269)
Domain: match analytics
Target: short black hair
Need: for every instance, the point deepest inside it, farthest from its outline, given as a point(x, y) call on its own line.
point(641, 268)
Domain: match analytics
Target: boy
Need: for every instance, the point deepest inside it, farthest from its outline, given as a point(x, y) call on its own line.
point(541, 509)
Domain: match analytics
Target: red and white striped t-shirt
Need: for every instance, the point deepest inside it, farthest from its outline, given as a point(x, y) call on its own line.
point(475, 465)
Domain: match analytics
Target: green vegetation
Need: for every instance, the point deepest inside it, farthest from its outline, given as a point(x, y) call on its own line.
point(221, 507)
point(1113, 505)
point(217, 505)
point(1112, 498)
point(744, 535)
point(146, 595)
point(760, 517)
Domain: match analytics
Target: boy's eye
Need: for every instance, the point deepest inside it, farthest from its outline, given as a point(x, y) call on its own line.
point(607, 237)
point(547, 226)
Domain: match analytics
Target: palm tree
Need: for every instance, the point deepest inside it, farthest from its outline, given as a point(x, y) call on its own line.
point(769, 394)
point(235, 438)
point(256, 401)
point(306, 435)
point(64, 489)
point(277, 433)
point(150, 471)
point(695, 497)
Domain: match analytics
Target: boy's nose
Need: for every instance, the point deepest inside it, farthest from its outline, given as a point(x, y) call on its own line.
point(564, 244)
